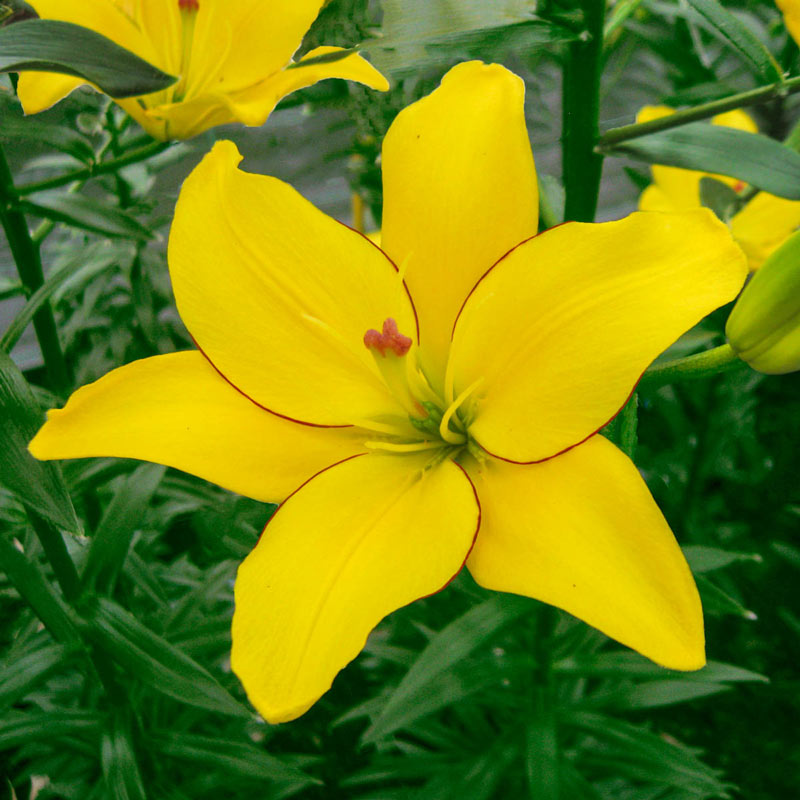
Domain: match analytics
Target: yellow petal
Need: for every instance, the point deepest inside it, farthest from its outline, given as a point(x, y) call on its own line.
point(791, 16)
point(175, 409)
point(252, 106)
point(764, 224)
point(39, 90)
point(582, 532)
point(279, 296)
point(459, 192)
point(357, 542)
point(560, 330)
point(263, 36)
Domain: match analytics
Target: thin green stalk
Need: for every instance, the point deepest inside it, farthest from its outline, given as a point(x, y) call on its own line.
point(703, 111)
point(29, 266)
point(700, 365)
point(582, 164)
point(103, 168)
point(58, 556)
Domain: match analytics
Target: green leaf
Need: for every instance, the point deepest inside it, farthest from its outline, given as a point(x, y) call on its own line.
point(732, 30)
point(720, 198)
point(755, 159)
point(231, 757)
point(655, 694)
point(29, 580)
point(112, 539)
point(120, 769)
point(717, 601)
point(47, 45)
point(19, 676)
point(38, 484)
point(18, 729)
point(87, 214)
point(59, 137)
point(153, 660)
point(707, 559)
point(446, 649)
point(92, 257)
point(622, 664)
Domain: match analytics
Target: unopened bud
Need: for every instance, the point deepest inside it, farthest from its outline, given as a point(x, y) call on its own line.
point(764, 326)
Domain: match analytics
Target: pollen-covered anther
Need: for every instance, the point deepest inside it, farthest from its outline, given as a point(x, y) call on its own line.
point(389, 339)
point(189, 5)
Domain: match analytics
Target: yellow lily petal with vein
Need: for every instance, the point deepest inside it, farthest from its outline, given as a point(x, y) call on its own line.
point(357, 542)
point(760, 227)
point(460, 189)
point(230, 55)
point(560, 330)
point(282, 306)
point(582, 532)
point(175, 409)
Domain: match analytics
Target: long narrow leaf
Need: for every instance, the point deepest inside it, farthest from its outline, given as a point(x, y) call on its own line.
point(54, 46)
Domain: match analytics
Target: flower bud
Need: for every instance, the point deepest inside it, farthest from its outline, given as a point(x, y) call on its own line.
point(764, 326)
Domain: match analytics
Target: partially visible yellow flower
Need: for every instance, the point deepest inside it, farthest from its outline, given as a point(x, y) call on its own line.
point(457, 427)
point(231, 57)
point(791, 16)
point(761, 226)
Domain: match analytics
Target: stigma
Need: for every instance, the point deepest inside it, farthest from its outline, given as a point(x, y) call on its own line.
point(389, 338)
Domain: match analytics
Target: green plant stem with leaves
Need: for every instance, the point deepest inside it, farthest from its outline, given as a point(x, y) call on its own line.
point(29, 266)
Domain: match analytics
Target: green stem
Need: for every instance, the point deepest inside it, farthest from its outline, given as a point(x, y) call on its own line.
point(582, 164)
point(29, 266)
point(700, 365)
point(57, 554)
point(703, 111)
point(103, 168)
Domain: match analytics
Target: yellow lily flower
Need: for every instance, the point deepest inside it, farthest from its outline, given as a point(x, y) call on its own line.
point(457, 427)
point(760, 227)
point(791, 16)
point(231, 57)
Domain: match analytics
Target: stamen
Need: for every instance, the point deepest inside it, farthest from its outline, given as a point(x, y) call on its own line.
point(389, 339)
point(444, 425)
point(413, 447)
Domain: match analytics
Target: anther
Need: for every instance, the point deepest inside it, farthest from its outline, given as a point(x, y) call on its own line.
point(189, 5)
point(389, 339)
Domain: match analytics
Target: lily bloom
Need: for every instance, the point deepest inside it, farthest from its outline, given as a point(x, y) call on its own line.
point(232, 58)
point(437, 401)
point(759, 227)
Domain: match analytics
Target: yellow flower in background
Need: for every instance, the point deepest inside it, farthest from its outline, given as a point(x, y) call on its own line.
point(231, 57)
point(759, 227)
point(435, 413)
point(791, 16)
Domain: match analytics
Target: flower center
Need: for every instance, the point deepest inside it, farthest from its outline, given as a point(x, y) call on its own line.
point(430, 423)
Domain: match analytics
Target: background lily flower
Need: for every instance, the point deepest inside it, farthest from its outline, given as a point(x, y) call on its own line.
point(231, 57)
point(761, 226)
point(457, 427)
point(791, 16)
